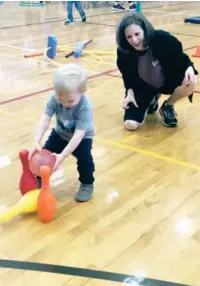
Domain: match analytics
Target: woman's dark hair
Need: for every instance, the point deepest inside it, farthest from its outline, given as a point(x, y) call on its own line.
point(127, 20)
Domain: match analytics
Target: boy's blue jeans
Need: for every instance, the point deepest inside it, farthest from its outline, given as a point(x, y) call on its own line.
point(78, 6)
point(85, 164)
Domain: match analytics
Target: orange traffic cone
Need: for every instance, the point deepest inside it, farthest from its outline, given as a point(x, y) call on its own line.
point(197, 54)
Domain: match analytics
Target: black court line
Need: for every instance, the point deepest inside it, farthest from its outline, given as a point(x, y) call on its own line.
point(171, 32)
point(87, 273)
point(30, 24)
point(88, 16)
point(182, 34)
point(101, 24)
point(161, 6)
point(54, 21)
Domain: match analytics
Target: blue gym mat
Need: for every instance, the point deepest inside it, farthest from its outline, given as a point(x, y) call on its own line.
point(193, 20)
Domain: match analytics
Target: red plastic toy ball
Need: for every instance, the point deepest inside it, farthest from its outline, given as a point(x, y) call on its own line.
point(41, 158)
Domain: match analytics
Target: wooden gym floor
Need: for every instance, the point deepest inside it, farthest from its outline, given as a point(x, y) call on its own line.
point(144, 218)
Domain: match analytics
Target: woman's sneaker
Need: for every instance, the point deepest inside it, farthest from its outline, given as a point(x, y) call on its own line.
point(118, 7)
point(169, 115)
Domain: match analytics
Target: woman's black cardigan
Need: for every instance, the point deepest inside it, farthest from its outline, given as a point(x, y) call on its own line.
point(165, 48)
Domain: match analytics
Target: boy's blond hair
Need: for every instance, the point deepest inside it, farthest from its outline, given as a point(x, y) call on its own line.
point(70, 77)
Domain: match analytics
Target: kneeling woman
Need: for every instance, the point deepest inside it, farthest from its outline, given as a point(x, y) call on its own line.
point(152, 62)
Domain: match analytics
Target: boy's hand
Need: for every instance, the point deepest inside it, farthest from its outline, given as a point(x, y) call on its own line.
point(35, 147)
point(59, 159)
point(71, 146)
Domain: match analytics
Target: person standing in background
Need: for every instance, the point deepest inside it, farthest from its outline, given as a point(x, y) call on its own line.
point(118, 6)
point(79, 7)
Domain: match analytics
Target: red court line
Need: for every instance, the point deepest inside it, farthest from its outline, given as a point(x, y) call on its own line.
point(118, 76)
point(50, 88)
point(190, 48)
point(109, 73)
point(114, 75)
point(24, 96)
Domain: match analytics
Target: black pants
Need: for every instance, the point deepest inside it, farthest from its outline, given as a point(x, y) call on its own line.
point(144, 94)
point(85, 164)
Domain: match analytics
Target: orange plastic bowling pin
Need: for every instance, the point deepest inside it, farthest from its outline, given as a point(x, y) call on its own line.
point(27, 204)
point(46, 199)
point(28, 181)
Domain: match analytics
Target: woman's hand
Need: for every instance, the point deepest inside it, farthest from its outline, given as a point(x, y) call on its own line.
point(129, 98)
point(190, 77)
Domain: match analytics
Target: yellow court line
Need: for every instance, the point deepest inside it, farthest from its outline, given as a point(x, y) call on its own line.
point(97, 58)
point(128, 138)
point(51, 61)
point(10, 56)
point(15, 47)
point(123, 146)
point(148, 153)
point(26, 118)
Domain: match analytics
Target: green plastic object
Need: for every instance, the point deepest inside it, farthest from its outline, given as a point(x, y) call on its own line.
point(139, 6)
point(31, 3)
